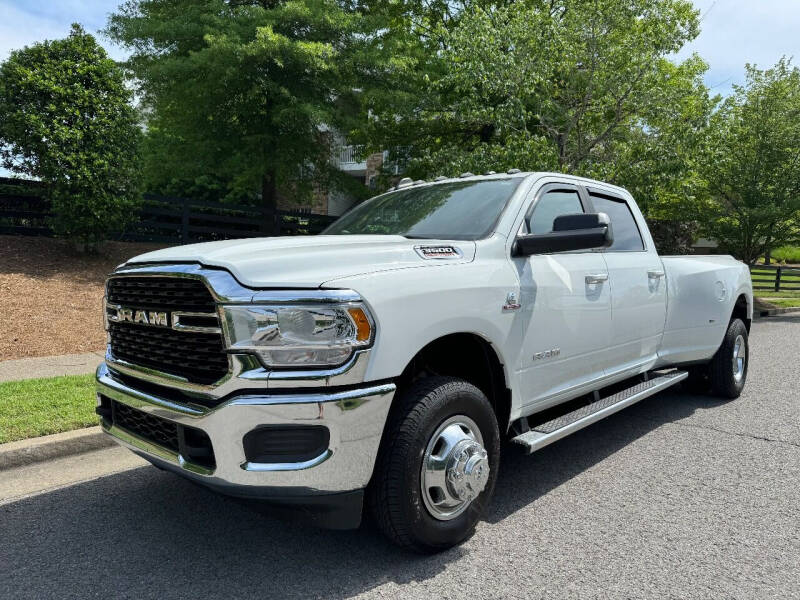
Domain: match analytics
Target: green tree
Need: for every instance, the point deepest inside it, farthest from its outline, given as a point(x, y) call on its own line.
point(66, 118)
point(751, 163)
point(574, 86)
point(243, 90)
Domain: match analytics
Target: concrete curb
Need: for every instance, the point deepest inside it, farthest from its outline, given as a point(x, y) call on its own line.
point(48, 447)
point(771, 312)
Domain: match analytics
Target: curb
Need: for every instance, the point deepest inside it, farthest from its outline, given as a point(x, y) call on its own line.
point(48, 447)
point(771, 312)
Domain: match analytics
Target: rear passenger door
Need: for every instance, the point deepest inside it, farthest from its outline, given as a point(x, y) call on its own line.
point(638, 285)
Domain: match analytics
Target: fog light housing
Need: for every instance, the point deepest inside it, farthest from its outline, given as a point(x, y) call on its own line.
point(285, 443)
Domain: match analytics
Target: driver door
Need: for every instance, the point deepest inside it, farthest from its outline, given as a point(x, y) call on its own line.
point(567, 299)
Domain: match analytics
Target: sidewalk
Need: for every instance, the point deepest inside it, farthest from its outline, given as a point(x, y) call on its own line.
point(50, 366)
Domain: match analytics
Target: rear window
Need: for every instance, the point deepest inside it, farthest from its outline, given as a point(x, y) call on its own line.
point(626, 233)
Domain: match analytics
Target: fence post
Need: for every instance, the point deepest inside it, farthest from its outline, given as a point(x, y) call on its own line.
point(778, 280)
point(184, 221)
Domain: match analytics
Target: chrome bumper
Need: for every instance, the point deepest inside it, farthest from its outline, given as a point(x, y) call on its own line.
point(355, 419)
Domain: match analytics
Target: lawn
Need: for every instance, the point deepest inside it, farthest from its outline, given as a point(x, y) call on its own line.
point(785, 303)
point(35, 407)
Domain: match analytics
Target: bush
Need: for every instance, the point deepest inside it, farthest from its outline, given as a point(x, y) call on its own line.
point(786, 254)
point(66, 119)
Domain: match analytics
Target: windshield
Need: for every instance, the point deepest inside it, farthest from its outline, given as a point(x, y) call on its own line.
point(462, 210)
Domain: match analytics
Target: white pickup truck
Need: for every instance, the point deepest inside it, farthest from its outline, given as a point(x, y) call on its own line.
point(383, 362)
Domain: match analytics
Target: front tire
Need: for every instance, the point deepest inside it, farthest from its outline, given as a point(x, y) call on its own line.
point(728, 368)
point(437, 467)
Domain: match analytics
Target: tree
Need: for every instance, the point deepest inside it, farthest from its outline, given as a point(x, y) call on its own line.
point(66, 118)
point(243, 90)
point(751, 163)
point(580, 87)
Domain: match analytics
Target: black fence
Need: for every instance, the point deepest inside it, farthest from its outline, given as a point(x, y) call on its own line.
point(164, 219)
point(775, 278)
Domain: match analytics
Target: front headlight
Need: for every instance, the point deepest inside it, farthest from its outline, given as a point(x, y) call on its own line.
point(298, 335)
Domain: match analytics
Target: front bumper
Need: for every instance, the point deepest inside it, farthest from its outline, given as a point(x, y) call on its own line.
point(355, 419)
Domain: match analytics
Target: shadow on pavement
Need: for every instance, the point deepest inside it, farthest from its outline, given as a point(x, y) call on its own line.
point(146, 533)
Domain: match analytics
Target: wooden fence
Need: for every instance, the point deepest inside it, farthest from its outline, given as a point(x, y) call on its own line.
point(775, 278)
point(164, 219)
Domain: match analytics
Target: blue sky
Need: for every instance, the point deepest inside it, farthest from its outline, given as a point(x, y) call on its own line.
point(734, 31)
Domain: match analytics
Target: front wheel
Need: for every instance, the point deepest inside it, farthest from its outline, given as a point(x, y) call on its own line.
point(438, 465)
point(728, 369)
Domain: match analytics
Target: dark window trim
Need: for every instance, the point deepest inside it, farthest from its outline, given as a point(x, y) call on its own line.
point(593, 191)
point(553, 187)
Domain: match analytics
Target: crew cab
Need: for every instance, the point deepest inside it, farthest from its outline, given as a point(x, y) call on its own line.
point(381, 364)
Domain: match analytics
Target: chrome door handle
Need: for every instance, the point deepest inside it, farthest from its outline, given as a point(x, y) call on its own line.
point(597, 278)
point(655, 274)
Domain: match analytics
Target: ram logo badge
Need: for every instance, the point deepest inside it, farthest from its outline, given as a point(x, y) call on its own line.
point(141, 317)
point(546, 354)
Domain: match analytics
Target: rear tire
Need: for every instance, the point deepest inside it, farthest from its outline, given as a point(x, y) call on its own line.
point(728, 369)
point(437, 421)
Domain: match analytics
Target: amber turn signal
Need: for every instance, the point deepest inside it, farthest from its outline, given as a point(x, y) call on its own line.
point(363, 329)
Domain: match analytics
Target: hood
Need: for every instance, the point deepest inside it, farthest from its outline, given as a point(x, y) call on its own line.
point(310, 261)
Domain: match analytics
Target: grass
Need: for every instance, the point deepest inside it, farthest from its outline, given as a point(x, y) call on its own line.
point(774, 294)
point(786, 303)
point(36, 407)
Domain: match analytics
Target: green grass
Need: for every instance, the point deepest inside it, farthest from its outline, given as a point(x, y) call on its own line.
point(785, 303)
point(774, 294)
point(35, 407)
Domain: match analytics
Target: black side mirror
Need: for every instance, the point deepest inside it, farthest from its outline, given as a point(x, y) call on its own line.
point(570, 232)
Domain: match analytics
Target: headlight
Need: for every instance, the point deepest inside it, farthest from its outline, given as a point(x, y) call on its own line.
point(298, 335)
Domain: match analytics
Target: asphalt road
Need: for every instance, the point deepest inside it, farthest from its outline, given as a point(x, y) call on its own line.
point(679, 496)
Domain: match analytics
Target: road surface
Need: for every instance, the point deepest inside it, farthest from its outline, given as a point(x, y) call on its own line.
point(679, 496)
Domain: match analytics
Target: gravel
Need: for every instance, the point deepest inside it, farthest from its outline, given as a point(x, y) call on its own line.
point(50, 296)
point(679, 496)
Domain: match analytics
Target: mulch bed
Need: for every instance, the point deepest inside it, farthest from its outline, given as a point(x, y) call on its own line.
point(51, 296)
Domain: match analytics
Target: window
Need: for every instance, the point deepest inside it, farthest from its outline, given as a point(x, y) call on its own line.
point(551, 205)
point(463, 210)
point(623, 225)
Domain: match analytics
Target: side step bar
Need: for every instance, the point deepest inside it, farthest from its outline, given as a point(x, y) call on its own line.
point(547, 433)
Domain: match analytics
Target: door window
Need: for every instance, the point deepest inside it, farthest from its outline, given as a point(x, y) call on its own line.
point(553, 204)
point(626, 234)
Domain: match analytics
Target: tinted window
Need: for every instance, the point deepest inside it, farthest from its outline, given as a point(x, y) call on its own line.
point(464, 210)
point(551, 205)
point(623, 225)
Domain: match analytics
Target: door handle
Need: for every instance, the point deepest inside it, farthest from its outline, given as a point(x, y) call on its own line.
point(596, 278)
point(655, 274)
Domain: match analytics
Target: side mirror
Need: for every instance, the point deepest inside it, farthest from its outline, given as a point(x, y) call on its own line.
point(570, 232)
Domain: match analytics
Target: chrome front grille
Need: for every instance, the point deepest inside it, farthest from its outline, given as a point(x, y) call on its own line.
point(196, 353)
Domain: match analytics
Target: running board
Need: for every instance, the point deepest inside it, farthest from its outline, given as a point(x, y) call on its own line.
point(547, 433)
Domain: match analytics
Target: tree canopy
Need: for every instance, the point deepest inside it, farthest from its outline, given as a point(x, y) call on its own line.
point(66, 118)
point(245, 90)
point(751, 163)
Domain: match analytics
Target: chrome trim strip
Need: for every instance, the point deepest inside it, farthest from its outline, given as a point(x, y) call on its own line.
point(317, 398)
point(176, 322)
point(297, 466)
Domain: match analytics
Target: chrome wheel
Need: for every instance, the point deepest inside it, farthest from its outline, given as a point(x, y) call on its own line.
point(455, 468)
point(739, 358)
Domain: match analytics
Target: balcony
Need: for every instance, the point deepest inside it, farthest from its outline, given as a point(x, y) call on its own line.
point(350, 160)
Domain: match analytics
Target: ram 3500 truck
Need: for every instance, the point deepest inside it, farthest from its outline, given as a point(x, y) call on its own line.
point(383, 362)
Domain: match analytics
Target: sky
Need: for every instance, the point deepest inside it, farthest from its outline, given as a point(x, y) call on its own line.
point(734, 32)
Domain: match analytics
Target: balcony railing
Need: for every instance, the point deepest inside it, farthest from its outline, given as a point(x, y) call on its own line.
point(349, 155)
